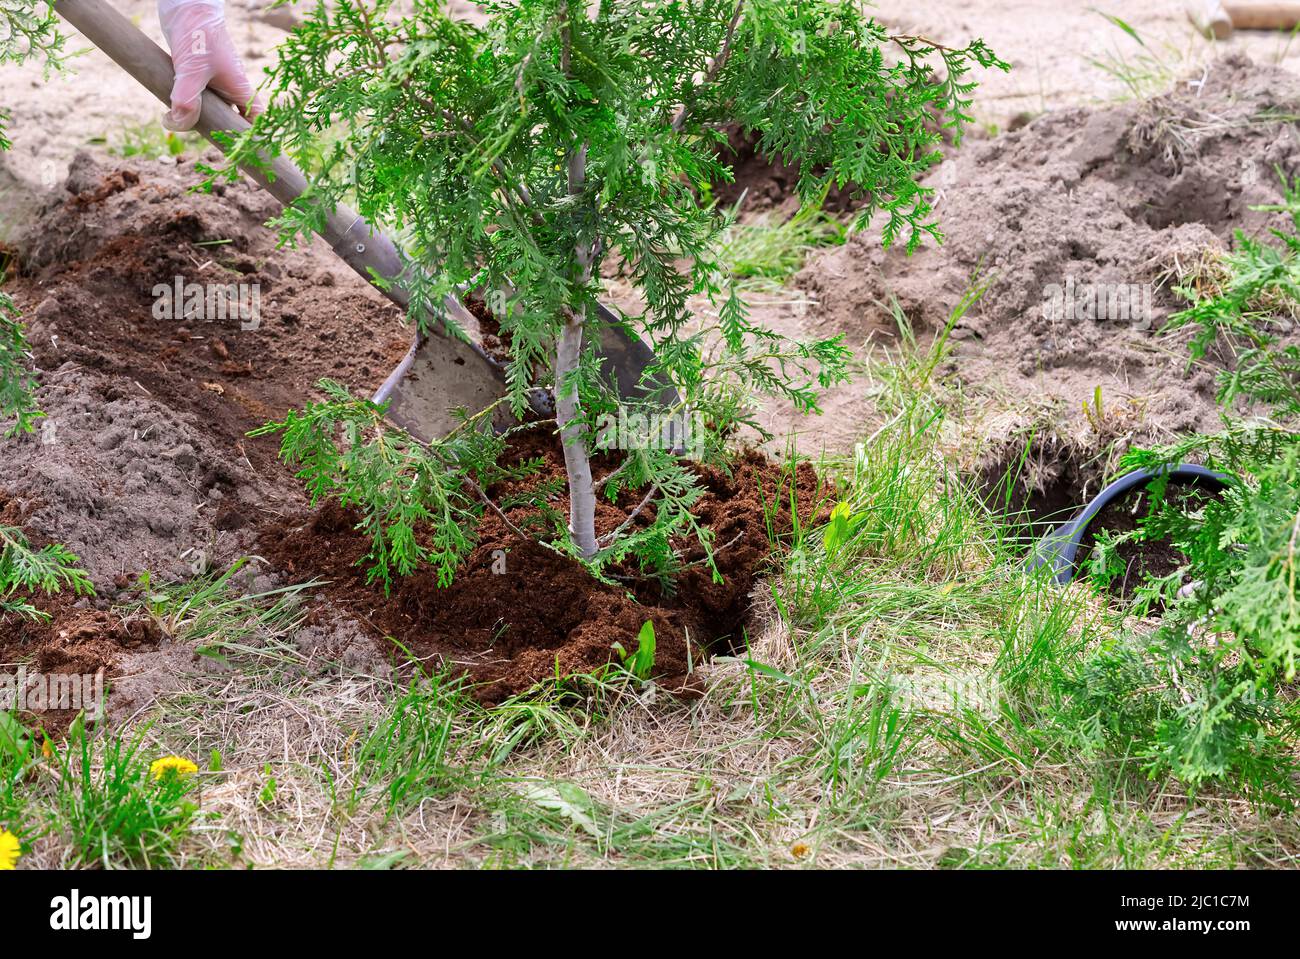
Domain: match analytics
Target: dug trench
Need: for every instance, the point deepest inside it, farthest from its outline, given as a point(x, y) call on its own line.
point(143, 462)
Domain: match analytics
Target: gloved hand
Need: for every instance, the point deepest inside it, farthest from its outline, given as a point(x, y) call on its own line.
point(203, 56)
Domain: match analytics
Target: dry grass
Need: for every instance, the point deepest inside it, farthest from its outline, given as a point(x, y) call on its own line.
point(894, 708)
point(737, 778)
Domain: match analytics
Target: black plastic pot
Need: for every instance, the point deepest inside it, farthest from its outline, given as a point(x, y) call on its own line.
point(1059, 548)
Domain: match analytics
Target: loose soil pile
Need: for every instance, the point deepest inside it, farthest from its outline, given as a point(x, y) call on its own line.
point(519, 613)
point(1127, 194)
point(144, 463)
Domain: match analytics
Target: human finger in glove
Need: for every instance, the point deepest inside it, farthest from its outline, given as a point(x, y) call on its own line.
point(203, 56)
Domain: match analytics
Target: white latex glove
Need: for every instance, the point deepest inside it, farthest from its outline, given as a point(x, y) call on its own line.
point(203, 56)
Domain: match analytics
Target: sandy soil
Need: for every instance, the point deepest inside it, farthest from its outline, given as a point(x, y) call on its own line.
point(1118, 200)
point(1049, 45)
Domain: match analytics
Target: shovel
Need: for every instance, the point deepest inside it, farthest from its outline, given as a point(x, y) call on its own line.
point(441, 372)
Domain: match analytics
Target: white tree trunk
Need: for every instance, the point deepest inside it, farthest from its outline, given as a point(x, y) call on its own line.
point(568, 353)
point(577, 462)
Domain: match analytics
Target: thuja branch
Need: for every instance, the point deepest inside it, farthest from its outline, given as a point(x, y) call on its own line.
point(524, 156)
point(715, 65)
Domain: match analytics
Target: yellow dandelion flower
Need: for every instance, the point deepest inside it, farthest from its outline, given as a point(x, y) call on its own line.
point(176, 766)
point(799, 850)
point(46, 749)
point(9, 850)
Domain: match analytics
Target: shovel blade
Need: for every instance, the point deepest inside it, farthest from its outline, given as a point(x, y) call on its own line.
point(438, 376)
point(441, 374)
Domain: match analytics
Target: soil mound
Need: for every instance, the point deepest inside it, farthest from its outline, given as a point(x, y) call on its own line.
point(519, 613)
point(1115, 199)
point(142, 462)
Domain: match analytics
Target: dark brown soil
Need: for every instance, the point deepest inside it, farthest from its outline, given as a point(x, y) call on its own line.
point(77, 641)
point(1141, 560)
point(768, 183)
point(489, 329)
point(543, 616)
point(152, 463)
point(80, 640)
